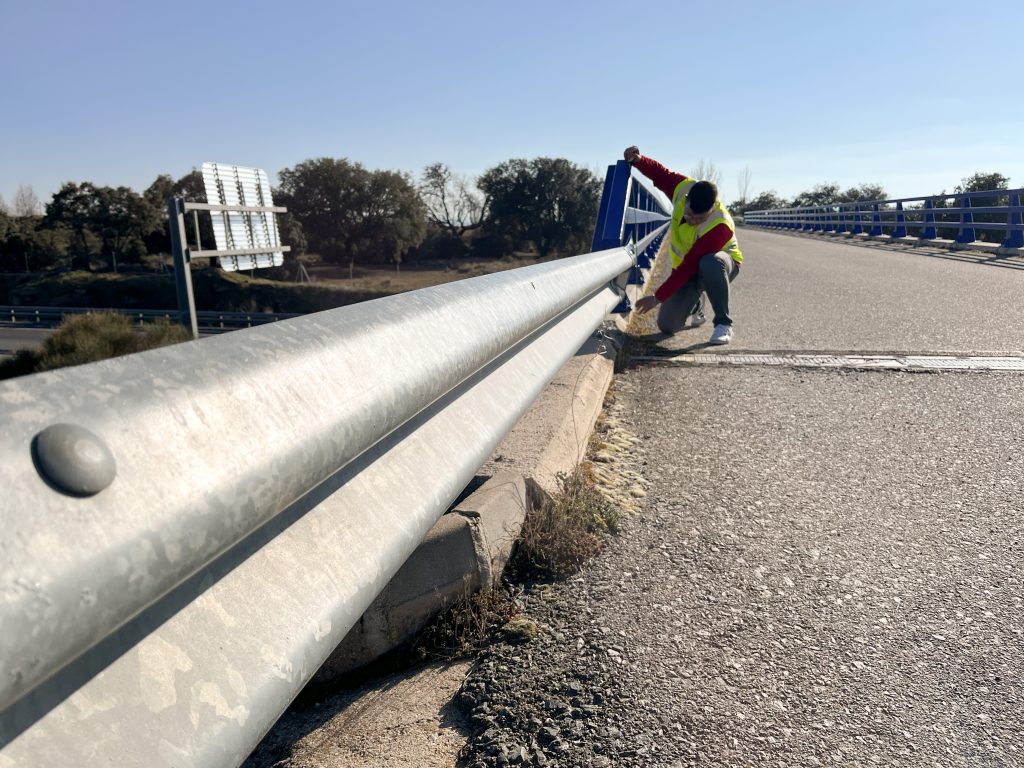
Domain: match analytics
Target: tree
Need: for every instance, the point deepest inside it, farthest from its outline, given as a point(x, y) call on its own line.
point(548, 201)
point(766, 201)
point(351, 214)
point(821, 194)
point(26, 203)
point(4, 210)
point(862, 193)
point(192, 189)
point(982, 182)
point(29, 244)
point(122, 218)
point(73, 206)
point(117, 219)
point(451, 203)
point(743, 184)
point(705, 170)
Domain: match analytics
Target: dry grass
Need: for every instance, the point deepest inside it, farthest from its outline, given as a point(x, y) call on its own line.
point(557, 538)
point(564, 532)
point(467, 625)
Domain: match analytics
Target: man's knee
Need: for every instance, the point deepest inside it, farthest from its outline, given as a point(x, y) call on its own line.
point(713, 264)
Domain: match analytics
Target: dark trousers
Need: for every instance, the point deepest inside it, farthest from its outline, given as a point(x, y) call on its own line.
point(714, 273)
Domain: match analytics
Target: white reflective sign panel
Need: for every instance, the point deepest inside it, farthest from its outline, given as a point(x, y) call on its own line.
point(235, 185)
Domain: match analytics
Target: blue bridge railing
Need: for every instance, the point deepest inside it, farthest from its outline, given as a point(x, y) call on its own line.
point(631, 210)
point(959, 217)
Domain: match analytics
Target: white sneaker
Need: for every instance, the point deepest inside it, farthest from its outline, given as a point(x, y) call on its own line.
point(695, 320)
point(722, 335)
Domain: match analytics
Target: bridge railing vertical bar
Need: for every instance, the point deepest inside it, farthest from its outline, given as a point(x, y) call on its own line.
point(610, 227)
point(630, 210)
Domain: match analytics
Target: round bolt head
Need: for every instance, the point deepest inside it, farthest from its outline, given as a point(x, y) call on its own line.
point(73, 460)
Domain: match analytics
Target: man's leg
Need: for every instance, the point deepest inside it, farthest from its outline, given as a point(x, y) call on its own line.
point(716, 271)
point(672, 313)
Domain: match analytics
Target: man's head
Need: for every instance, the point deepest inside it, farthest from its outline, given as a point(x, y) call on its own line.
point(699, 201)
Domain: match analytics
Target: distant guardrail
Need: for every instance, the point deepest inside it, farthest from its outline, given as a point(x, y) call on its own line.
point(49, 317)
point(929, 218)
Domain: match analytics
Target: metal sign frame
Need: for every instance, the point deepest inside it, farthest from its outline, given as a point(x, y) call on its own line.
point(177, 208)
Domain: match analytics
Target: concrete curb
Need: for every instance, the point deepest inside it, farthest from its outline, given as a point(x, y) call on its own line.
point(469, 547)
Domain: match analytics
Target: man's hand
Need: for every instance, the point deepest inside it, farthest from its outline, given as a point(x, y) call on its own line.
point(631, 154)
point(646, 304)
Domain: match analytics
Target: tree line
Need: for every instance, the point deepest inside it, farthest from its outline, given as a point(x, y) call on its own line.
point(346, 213)
point(830, 193)
point(338, 209)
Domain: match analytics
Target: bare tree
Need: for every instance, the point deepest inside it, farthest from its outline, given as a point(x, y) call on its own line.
point(451, 202)
point(706, 171)
point(3, 205)
point(26, 203)
point(743, 181)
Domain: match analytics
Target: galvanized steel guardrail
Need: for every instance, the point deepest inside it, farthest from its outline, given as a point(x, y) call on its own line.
point(927, 218)
point(190, 531)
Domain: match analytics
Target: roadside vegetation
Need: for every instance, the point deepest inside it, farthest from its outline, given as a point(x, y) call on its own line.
point(557, 539)
point(88, 338)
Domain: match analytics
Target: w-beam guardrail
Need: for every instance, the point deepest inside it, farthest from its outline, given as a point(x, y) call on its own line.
point(50, 317)
point(958, 218)
point(189, 532)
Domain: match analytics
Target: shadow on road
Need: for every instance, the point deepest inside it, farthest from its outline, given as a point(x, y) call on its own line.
point(650, 345)
point(964, 255)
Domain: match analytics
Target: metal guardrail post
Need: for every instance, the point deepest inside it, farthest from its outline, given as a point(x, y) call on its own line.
point(182, 268)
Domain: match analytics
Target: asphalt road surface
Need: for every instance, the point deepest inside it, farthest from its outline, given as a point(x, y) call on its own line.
point(14, 339)
point(828, 569)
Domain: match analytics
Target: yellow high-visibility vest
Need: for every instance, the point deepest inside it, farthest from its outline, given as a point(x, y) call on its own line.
point(685, 235)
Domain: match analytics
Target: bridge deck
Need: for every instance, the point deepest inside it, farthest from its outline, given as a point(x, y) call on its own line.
point(828, 568)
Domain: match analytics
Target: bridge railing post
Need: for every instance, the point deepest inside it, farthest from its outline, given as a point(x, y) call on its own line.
point(929, 232)
point(876, 221)
point(966, 219)
point(901, 222)
point(1014, 227)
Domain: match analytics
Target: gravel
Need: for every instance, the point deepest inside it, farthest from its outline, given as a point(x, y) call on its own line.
point(826, 571)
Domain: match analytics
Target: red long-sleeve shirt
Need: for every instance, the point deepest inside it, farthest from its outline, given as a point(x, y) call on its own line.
point(711, 241)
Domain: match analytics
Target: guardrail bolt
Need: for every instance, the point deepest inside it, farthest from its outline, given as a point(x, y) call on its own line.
point(73, 460)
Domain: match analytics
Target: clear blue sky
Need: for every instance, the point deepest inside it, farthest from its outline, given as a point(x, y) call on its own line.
point(912, 95)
